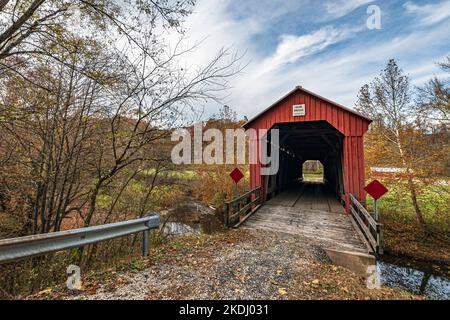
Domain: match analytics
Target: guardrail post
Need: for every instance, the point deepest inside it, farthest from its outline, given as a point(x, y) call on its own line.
point(145, 243)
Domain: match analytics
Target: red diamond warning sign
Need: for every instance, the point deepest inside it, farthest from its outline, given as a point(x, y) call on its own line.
point(376, 189)
point(236, 175)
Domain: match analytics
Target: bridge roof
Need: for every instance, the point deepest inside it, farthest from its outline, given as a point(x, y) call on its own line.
point(301, 89)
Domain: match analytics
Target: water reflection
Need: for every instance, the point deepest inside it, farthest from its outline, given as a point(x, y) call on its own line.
point(177, 228)
point(414, 280)
point(207, 224)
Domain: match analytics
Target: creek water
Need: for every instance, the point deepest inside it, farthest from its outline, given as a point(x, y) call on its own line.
point(208, 224)
point(420, 278)
point(178, 228)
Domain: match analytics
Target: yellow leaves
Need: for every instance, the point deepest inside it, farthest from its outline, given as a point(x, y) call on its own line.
point(44, 292)
point(316, 282)
point(282, 291)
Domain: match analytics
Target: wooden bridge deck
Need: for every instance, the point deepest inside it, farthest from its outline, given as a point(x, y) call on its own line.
point(309, 210)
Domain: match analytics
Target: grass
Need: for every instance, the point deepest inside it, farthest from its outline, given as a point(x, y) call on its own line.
point(397, 205)
point(403, 235)
point(313, 177)
point(181, 175)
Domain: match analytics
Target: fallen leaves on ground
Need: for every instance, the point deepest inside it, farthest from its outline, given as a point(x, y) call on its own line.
point(406, 239)
point(282, 291)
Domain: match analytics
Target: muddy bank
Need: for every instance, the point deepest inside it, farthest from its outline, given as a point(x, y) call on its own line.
point(406, 240)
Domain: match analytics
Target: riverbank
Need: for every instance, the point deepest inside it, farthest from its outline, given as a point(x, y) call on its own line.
point(405, 239)
point(236, 264)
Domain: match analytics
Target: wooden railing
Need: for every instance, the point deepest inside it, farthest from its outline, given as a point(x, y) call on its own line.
point(241, 208)
point(369, 230)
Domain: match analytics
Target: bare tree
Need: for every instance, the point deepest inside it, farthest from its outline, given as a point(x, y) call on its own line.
point(85, 114)
point(434, 98)
point(24, 23)
point(51, 131)
point(387, 99)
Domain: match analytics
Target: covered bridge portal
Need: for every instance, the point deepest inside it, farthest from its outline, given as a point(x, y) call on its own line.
point(312, 128)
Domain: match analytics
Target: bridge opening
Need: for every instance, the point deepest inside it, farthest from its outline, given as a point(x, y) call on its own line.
point(311, 167)
point(313, 171)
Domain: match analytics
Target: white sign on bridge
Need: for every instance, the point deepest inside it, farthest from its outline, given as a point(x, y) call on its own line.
point(299, 110)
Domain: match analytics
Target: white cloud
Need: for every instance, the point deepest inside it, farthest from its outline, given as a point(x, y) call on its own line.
point(340, 75)
point(337, 74)
point(340, 8)
point(430, 13)
point(214, 26)
point(267, 79)
point(291, 47)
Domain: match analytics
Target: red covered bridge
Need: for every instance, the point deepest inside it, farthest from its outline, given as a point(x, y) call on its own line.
point(320, 130)
point(311, 127)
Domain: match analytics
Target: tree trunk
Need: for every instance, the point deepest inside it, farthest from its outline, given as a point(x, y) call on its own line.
point(413, 192)
point(411, 186)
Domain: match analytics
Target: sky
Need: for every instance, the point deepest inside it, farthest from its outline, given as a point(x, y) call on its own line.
point(324, 46)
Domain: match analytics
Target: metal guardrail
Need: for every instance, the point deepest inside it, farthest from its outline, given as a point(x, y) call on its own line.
point(241, 208)
point(370, 230)
point(28, 246)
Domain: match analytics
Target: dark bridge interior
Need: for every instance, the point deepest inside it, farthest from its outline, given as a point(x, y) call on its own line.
point(304, 141)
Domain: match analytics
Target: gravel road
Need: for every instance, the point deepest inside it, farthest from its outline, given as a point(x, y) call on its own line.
point(238, 264)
